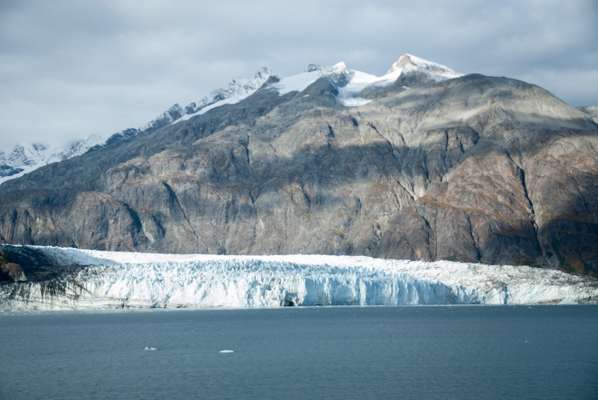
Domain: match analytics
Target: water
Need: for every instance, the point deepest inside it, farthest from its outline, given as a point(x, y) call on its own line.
point(465, 352)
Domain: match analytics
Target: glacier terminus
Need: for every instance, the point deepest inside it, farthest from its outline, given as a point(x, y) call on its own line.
point(114, 280)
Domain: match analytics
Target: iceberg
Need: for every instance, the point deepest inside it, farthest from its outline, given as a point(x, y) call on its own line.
point(108, 280)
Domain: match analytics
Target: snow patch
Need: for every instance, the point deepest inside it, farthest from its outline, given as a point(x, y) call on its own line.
point(354, 101)
point(300, 82)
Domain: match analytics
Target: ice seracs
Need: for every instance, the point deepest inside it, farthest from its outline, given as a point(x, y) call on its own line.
point(142, 280)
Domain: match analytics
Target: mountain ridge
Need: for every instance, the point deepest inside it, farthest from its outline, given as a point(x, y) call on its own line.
point(24, 158)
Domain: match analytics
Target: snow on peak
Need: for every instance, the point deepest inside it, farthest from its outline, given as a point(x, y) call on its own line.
point(237, 90)
point(337, 74)
point(351, 83)
point(26, 158)
point(338, 67)
point(407, 62)
point(167, 117)
point(351, 94)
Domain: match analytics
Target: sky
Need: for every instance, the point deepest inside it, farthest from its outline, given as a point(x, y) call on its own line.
point(69, 69)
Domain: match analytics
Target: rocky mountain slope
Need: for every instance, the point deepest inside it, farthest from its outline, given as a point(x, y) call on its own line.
point(422, 163)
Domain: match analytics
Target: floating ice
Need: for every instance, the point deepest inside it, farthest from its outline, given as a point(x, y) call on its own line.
point(150, 348)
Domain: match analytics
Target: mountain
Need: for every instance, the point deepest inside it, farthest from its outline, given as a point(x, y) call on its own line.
point(422, 163)
point(27, 158)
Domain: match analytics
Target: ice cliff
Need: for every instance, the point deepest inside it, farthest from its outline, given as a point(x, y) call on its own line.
point(141, 280)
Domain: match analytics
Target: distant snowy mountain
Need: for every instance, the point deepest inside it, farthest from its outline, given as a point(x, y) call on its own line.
point(351, 85)
point(28, 157)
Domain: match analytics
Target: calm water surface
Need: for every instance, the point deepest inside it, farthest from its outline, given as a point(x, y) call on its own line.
point(459, 352)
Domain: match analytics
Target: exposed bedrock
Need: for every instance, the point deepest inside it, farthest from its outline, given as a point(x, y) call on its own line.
point(476, 169)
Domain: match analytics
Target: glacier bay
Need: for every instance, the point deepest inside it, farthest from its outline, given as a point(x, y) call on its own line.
point(109, 280)
point(423, 352)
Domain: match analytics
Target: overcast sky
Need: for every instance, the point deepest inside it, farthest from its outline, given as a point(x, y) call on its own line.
point(69, 69)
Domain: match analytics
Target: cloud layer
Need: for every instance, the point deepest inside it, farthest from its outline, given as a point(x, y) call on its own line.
point(69, 69)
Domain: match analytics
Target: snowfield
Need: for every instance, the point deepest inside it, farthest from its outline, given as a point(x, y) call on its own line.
point(351, 83)
point(141, 280)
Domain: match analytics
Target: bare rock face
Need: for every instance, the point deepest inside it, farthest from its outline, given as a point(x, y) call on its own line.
point(473, 169)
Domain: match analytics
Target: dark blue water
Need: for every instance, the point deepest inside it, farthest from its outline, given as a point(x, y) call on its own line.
point(542, 352)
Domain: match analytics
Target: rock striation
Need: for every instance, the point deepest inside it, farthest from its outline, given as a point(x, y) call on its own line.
point(430, 165)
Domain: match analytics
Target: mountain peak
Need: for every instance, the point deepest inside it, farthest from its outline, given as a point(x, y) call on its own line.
point(410, 63)
point(401, 63)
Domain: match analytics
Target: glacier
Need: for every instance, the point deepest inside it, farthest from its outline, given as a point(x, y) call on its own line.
point(109, 280)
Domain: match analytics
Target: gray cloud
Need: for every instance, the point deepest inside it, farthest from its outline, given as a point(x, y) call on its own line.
point(69, 69)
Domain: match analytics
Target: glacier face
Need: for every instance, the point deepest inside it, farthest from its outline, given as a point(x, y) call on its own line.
point(142, 280)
